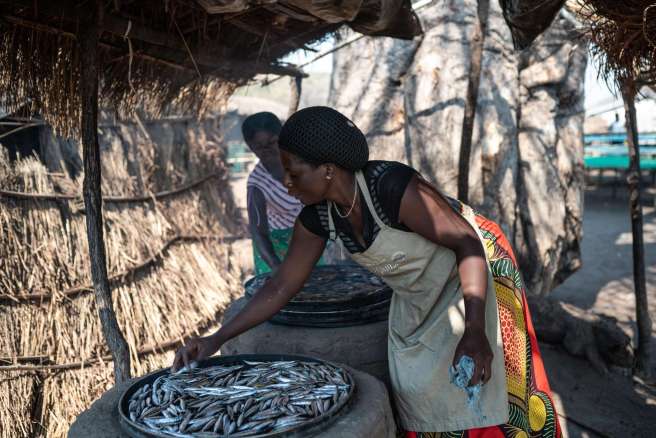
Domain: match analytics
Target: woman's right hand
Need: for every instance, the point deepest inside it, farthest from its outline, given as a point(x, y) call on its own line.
point(304, 252)
point(195, 349)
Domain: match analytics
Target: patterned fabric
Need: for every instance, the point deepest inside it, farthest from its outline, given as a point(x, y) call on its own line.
point(280, 240)
point(532, 412)
point(281, 208)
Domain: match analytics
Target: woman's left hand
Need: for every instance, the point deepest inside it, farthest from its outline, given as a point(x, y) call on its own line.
point(474, 344)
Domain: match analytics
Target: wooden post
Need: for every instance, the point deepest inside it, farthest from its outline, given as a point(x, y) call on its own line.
point(478, 41)
point(88, 90)
point(295, 95)
point(642, 363)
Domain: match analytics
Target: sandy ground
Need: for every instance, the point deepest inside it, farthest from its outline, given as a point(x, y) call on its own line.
point(605, 282)
point(612, 405)
point(589, 404)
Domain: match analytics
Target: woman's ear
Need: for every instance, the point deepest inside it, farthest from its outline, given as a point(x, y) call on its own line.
point(329, 170)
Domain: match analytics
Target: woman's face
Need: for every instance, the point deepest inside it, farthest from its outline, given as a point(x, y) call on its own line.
point(304, 181)
point(264, 145)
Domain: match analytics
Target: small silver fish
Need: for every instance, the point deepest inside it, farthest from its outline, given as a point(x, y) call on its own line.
point(238, 400)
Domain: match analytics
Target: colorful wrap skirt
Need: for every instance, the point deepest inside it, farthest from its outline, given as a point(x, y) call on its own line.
point(531, 409)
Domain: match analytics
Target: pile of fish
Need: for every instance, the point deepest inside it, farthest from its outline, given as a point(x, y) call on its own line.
point(243, 399)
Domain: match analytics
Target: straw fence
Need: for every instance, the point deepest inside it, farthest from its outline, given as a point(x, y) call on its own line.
point(168, 224)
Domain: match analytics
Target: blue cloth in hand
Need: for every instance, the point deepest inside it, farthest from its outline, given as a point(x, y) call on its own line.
point(460, 376)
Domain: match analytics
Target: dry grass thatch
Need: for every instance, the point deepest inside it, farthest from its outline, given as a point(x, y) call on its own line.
point(154, 55)
point(623, 34)
point(43, 247)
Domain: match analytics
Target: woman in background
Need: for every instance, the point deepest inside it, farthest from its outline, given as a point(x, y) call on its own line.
point(271, 210)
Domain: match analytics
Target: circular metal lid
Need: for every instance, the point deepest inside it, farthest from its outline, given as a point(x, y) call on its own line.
point(366, 314)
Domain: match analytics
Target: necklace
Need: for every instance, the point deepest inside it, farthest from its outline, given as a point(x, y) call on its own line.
point(355, 196)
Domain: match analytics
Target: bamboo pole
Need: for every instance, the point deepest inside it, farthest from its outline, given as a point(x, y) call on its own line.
point(642, 363)
point(88, 91)
point(294, 95)
point(478, 41)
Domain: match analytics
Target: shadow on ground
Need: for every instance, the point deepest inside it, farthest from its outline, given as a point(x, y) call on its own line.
point(592, 404)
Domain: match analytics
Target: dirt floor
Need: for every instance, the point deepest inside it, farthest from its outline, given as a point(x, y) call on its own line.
point(591, 404)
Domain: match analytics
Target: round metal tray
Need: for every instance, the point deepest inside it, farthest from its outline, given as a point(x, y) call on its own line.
point(136, 430)
point(333, 318)
point(332, 288)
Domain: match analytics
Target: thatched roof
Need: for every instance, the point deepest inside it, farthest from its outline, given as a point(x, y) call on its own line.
point(623, 34)
point(157, 53)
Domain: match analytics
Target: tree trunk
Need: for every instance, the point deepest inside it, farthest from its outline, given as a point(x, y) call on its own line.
point(472, 99)
point(526, 163)
point(88, 40)
point(550, 156)
point(643, 363)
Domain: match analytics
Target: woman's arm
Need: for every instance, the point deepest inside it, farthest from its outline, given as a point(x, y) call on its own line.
point(428, 214)
point(258, 225)
point(304, 251)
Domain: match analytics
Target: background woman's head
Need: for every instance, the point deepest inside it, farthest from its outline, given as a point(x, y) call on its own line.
point(260, 132)
point(318, 145)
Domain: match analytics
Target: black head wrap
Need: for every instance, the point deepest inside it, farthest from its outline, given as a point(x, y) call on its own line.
point(319, 135)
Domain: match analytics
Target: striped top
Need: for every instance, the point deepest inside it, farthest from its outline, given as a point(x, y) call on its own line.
point(281, 208)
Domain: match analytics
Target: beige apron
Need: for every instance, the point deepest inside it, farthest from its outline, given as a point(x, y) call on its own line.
point(426, 322)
